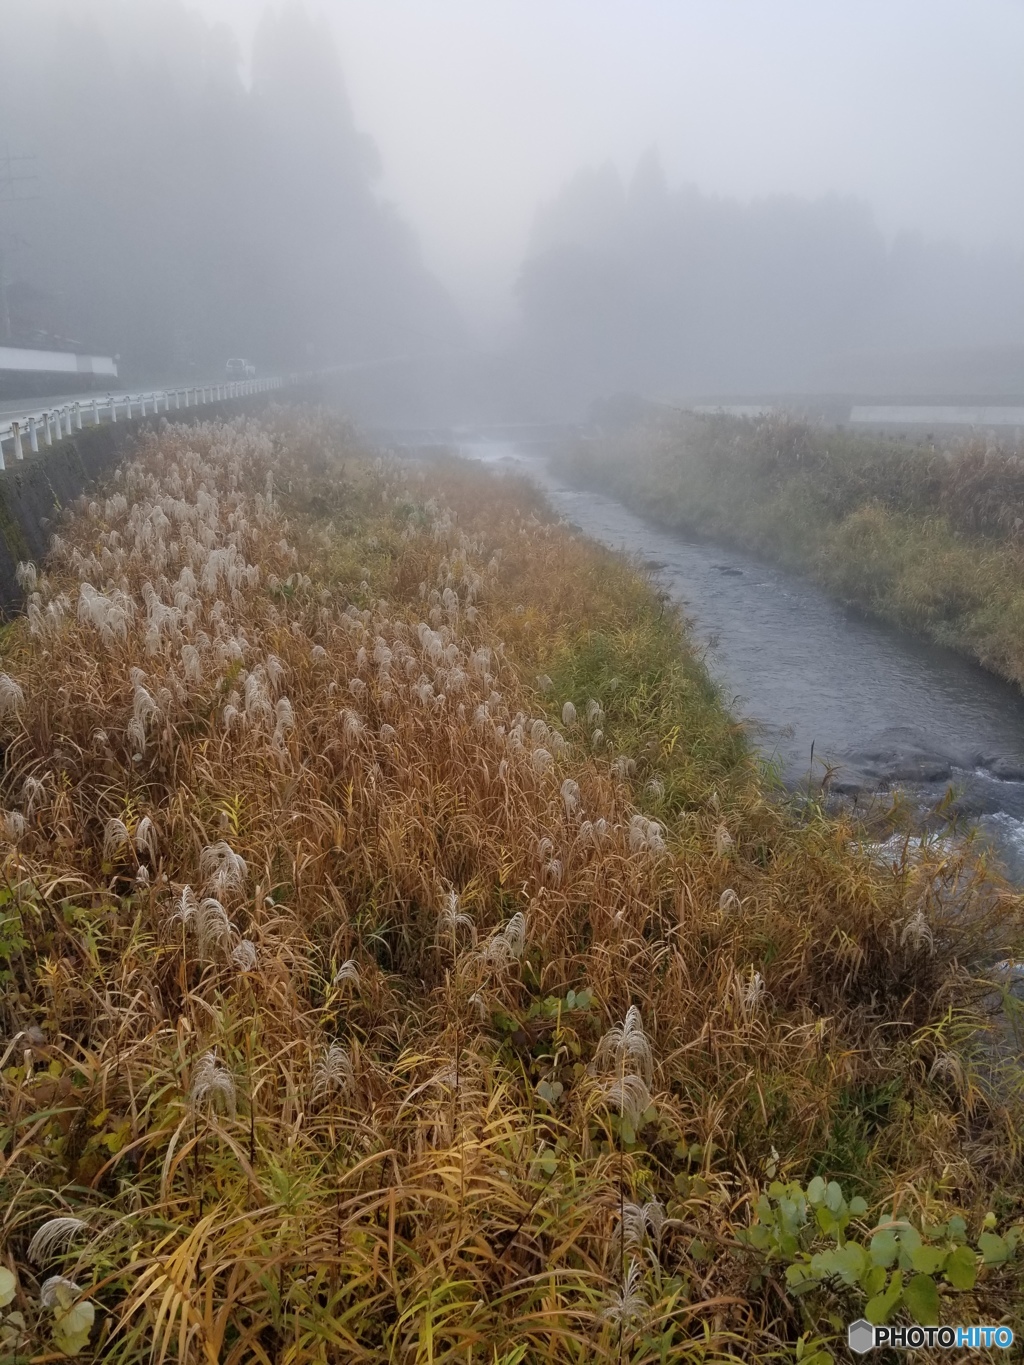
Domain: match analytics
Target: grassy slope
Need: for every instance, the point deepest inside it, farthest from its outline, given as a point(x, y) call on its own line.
point(424, 1155)
point(929, 540)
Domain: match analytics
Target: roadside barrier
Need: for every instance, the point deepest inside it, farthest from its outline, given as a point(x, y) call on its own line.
point(49, 425)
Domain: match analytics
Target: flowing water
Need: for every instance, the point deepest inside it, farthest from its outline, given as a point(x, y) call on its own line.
point(887, 711)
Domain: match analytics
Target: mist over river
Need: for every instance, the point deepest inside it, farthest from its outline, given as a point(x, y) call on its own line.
point(881, 708)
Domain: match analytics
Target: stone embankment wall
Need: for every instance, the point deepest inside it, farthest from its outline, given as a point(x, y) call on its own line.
point(35, 491)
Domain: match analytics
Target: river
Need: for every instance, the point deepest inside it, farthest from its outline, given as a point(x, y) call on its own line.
point(885, 710)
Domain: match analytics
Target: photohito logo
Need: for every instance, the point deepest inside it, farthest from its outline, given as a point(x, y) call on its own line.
point(863, 1336)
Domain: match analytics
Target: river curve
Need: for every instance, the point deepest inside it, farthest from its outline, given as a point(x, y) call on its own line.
point(883, 710)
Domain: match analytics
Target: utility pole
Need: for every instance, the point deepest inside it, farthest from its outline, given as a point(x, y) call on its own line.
point(14, 174)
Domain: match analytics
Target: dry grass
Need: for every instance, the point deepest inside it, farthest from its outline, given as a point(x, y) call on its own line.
point(365, 1001)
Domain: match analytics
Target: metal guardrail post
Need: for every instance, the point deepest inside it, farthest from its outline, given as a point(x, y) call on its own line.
point(59, 423)
point(3, 464)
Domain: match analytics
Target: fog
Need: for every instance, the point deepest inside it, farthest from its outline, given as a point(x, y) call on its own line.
point(539, 203)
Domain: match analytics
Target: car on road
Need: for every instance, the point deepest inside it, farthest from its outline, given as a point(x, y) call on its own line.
point(241, 369)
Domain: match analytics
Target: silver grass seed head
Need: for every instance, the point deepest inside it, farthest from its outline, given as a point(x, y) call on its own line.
point(917, 932)
point(58, 1292)
point(542, 761)
point(135, 733)
point(185, 907)
point(630, 1096)
point(753, 991)
point(54, 1236)
point(334, 1071)
point(515, 933)
point(627, 1047)
point(212, 1085)
point(11, 696)
point(33, 789)
point(348, 971)
point(14, 825)
point(25, 574)
point(145, 837)
point(213, 928)
point(115, 838)
point(627, 1306)
point(351, 726)
point(451, 919)
point(244, 956)
point(637, 1221)
point(222, 868)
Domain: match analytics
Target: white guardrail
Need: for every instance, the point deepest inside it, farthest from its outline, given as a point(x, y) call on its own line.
point(52, 424)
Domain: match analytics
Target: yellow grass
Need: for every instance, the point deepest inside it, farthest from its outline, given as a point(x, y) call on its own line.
point(283, 769)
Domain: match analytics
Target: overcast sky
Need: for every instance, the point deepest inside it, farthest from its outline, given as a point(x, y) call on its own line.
point(483, 108)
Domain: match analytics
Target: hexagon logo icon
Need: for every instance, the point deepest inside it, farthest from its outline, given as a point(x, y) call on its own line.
point(860, 1336)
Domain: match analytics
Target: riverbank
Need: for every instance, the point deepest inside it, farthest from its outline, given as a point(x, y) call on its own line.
point(929, 539)
point(400, 947)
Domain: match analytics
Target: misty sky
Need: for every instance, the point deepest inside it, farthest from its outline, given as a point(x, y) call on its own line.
point(483, 108)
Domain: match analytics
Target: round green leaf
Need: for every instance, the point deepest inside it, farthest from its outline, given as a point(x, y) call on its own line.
point(962, 1268)
point(922, 1298)
point(816, 1190)
point(71, 1327)
point(883, 1247)
point(858, 1206)
point(928, 1260)
point(957, 1228)
point(993, 1248)
point(8, 1286)
point(879, 1308)
point(872, 1281)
